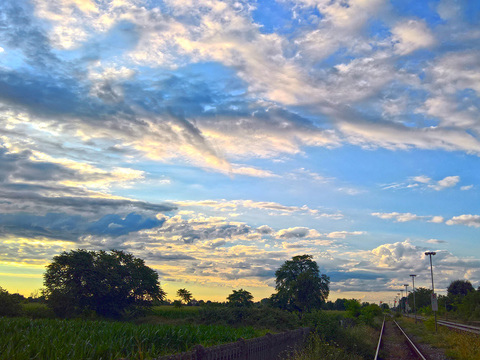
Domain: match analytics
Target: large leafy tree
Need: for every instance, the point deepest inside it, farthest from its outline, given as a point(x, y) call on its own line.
point(422, 298)
point(240, 298)
point(299, 285)
point(459, 288)
point(185, 295)
point(105, 282)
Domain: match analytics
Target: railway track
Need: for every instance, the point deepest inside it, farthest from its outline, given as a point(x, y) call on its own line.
point(394, 343)
point(455, 325)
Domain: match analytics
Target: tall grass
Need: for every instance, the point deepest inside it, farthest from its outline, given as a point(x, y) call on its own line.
point(457, 345)
point(22, 338)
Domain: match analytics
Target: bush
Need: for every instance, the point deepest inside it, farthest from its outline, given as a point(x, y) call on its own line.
point(266, 318)
point(325, 324)
point(37, 311)
point(9, 304)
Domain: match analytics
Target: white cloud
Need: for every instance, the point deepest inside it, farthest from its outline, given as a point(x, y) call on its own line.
point(411, 35)
point(421, 179)
point(449, 181)
point(250, 171)
point(233, 205)
point(437, 219)
point(466, 187)
point(405, 217)
point(343, 234)
point(468, 220)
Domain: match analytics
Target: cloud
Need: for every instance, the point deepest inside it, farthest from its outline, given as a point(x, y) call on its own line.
point(411, 35)
point(234, 205)
point(449, 181)
point(265, 229)
point(468, 220)
point(423, 182)
point(422, 179)
point(436, 241)
point(405, 217)
point(466, 187)
point(297, 232)
point(343, 234)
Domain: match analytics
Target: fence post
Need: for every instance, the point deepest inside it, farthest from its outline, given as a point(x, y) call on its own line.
point(242, 344)
point(200, 352)
point(271, 350)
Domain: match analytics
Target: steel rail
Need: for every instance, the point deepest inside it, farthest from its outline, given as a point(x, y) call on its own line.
point(458, 326)
point(410, 343)
point(380, 339)
point(454, 325)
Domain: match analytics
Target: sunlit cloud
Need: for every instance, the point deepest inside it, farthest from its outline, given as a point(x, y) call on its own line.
point(468, 220)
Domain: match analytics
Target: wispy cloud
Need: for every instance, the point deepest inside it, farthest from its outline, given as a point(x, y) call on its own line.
point(405, 217)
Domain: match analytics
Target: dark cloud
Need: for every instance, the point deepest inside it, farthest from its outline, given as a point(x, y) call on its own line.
point(72, 228)
point(18, 31)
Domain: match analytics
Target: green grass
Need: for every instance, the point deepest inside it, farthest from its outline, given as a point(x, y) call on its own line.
point(457, 345)
point(23, 338)
point(318, 348)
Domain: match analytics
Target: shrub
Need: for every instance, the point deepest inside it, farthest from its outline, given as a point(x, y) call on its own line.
point(9, 304)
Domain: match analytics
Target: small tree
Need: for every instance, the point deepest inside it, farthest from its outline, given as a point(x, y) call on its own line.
point(240, 298)
point(105, 282)
point(299, 285)
point(185, 295)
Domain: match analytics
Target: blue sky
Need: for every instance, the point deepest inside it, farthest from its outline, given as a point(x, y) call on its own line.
point(217, 139)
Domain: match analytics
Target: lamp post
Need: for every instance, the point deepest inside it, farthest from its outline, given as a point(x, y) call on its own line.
point(399, 303)
point(406, 298)
point(434, 306)
point(414, 305)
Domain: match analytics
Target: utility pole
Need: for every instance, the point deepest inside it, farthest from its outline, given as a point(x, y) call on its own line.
point(414, 305)
point(406, 298)
point(434, 297)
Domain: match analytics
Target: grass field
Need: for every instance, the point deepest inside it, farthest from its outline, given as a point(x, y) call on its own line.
point(458, 345)
point(22, 338)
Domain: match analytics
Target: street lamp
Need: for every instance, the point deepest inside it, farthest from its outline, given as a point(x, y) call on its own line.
point(414, 305)
point(406, 298)
point(434, 305)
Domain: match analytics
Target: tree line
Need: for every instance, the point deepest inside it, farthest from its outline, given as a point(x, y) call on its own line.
point(112, 283)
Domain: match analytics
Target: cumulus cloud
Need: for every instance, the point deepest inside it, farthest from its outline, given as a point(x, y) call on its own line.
point(411, 35)
point(467, 219)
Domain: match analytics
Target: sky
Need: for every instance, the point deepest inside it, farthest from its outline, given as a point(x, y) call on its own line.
point(218, 139)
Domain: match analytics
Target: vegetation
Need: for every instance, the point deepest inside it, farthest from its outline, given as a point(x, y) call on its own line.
point(9, 304)
point(82, 281)
point(338, 337)
point(300, 286)
point(184, 295)
point(93, 285)
point(22, 338)
point(462, 301)
point(240, 298)
point(457, 345)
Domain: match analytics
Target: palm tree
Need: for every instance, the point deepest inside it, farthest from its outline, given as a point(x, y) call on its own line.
point(185, 295)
